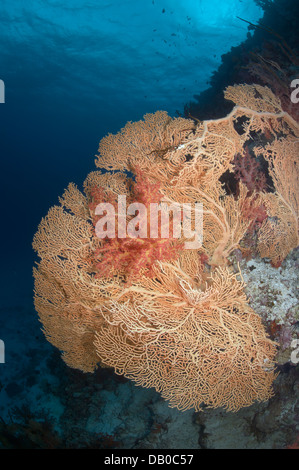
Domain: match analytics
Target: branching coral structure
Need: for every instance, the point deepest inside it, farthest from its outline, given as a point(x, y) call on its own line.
point(165, 316)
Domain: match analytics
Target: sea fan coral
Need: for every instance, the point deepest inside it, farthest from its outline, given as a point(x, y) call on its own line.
point(193, 345)
point(163, 315)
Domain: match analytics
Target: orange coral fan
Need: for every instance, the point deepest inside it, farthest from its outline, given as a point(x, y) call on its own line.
point(279, 233)
point(165, 316)
point(194, 346)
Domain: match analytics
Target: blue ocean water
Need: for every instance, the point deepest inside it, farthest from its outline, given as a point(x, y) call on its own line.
point(73, 72)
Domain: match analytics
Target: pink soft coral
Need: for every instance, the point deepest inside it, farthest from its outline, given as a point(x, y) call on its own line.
point(247, 169)
point(132, 255)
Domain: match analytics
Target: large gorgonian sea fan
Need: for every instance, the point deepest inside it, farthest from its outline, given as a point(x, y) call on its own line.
point(179, 323)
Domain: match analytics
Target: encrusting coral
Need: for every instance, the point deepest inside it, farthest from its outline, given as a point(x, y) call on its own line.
point(162, 315)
